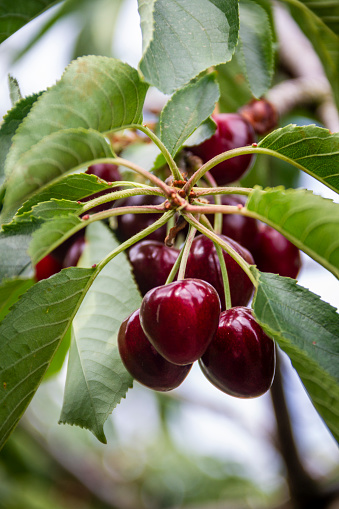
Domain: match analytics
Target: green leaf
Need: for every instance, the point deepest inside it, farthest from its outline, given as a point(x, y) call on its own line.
point(96, 378)
point(14, 243)
point(204, 132)
point(313, 149)
point(327, 11)
point(325, 42)
point(309, 221)
point(69, 187)
point(51, 234)
point(14, 90)
point(256, 46)
point(94, 92)
point(307, 329)
point(49, 159)
point(58, 360)
point(30, 335)
point(186, 110)
point(10, 123)
point(185, 37)
point(14, 15)
point(10, 291)
point(49, 210)
point(234, 89)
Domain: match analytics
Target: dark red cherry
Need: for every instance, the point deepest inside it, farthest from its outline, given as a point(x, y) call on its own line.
point(242, 229)
point(108, 172)
point(203, 263)
point(180, 319)
point(74, 252)
point(152, 262)
point(261, 114)
point(46, 267)
point(233, 131)
point(276, 254)
point(105, 171)
point(142, 360)
point(240, 359)
point(130, 224)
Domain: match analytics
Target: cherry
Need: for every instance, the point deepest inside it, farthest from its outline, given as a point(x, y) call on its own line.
point(142, 360)
point(108, 172)
point(261, 114)
point(46, 267)
point(152, 262)
point(130, 224)
point(276, 254)
point(180, 319)
point(242, 229)
point(74, 252)
point(232, 131)
point(240, 359)
point(203, 263)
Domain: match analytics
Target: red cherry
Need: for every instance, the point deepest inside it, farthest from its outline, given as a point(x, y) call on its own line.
point(276, 254)
point(142, 360)
point(152, 262)
point(240, 359)
point(203, 263)
point(74, 252)
point(46, 267)
point(180, 319)
point(242, 229)
point(233, 131)
point(130, 224)
point(108, 172)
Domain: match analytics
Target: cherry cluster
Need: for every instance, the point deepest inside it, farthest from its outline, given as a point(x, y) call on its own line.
point(180, 323)
point(187, 320)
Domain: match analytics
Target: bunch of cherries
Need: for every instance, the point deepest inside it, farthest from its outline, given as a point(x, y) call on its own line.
point(187, 320)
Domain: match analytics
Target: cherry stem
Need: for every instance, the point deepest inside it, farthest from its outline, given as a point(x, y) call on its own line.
point(117, 195)
point(225, 279)
point(175, 267)
point(136, 238)
point(218, 216)
point(169, 159)
point(206, 191)
point(214, 237)
point(119, 161)
point(186, 251)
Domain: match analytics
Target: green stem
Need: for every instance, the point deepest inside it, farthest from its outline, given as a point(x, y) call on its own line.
point(186, 251)
point(169, 159)
point(238, 152)
point(136, 238)
point(218, 216)
point(117, 195)
point(206, 191)
point(225, 278)
point(119, 161)
point(211, 235)
point(175, 268)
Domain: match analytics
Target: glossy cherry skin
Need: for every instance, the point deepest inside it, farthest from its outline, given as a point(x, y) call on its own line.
point(152, 262)
point(233, 131)
point(240, 359)
point(74, 252)
point(276, 254)
point(130, 224)
point(108, 172)
point(180, 319)
point(46, 267)
point(203, 263)
point(242, 229)
point(142, 360)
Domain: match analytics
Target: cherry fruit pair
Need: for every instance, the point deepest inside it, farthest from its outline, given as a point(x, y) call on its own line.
point(180, 323)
